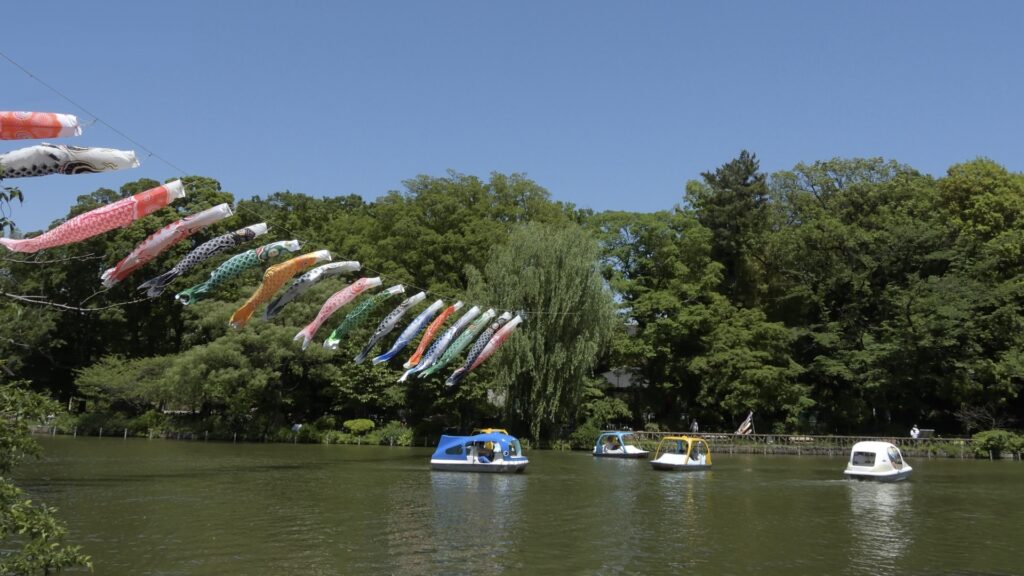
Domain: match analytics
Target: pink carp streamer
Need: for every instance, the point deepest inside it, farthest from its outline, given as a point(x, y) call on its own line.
point(95, 222)
point(495, 342)
point(431, 331)
point(161, 240)
point(37, 125)
point(273, 279)
point(337, 300)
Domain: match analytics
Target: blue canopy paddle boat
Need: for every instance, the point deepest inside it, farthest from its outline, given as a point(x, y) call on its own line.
point(491, 452)
point(618, 444)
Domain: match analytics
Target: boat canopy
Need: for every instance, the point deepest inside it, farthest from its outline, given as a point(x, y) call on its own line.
point(488, 431)
point(865, 454)
point(684, 445)
point(616, 433)
point(620, 437)
point(455, 447)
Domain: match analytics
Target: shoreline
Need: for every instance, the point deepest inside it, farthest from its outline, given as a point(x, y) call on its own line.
point(762, 444)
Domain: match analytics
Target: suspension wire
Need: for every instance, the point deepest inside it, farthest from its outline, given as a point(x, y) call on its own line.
point(96, 119)
point(176, 168)
point(39, 300)
point(89, 256)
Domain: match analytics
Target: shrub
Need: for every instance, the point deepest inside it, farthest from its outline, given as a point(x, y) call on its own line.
point(561, 445)
point(583, 437)
point(394, 433)
point(335, 437)
point(996, 442)
point(112, 423)
point(325, 422)
point(153, 420)
point(359, 426)
point(308, 434)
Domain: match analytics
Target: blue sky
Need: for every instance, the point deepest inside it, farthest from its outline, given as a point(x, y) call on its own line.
point(609, 105)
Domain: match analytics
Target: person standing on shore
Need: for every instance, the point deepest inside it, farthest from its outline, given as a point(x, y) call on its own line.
point(914, 432)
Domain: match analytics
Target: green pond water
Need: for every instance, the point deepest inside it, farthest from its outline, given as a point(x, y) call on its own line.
point(162, 507)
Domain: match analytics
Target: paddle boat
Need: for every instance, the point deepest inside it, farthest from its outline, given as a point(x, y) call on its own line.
point(683, 453)
point(879, 461)
point(617, 444)
point(491, 452)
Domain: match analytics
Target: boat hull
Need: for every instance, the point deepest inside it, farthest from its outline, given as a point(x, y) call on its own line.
point(485, 468)
point(679, 467)
point(621, 455)
point(895, 476)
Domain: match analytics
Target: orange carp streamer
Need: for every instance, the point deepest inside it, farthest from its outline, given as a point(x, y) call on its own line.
point(273, 279)
point(37, 125)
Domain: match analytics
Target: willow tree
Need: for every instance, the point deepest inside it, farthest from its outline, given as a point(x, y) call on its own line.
point(550, 274)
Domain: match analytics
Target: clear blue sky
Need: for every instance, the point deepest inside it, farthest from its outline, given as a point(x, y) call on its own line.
point(609, 105)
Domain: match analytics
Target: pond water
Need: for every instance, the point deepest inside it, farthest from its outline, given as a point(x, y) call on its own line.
point(163, 507)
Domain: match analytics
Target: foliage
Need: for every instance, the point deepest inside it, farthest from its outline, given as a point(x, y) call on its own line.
point(8, 194)
point(584, 435)
point(550, 276)
point(31, 534)
point(394, 433)
point(855, 293)
point(359, 426)
point(997, 442)
point(981, 418)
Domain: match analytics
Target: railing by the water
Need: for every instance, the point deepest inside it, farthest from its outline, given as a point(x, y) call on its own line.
point(800, 444)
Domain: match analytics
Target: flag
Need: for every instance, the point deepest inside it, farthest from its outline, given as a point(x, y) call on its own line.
point(747, 427)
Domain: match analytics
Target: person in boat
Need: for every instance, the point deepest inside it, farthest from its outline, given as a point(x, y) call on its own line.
point(611, 444)
point(485, 452)
point(914, 432)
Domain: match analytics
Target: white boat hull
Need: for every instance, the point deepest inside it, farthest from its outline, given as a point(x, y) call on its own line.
point(894, 476)
point(679, 467)
point(488, 467)
point(623, 455)
point(634, 453)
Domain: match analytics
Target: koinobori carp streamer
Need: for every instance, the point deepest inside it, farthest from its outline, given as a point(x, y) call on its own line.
point(38, 125)
point(103, 219)
point(275, 277)
point(206, 250)
point(159, 241)
point(44, 159)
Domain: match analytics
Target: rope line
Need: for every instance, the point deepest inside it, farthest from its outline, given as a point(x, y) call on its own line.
point(97, 119)
point(94, 116)
point(37, 300)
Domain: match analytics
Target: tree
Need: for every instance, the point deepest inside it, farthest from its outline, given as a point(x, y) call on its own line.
point(552, 274)
point(31, 535)
point(732, 202)
point(851, 235)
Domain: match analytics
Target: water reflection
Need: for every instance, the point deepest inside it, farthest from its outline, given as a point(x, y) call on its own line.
point(683, 498)
point(616, 530)
point(475, 519)
point(330, 510)
point(881, 518)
